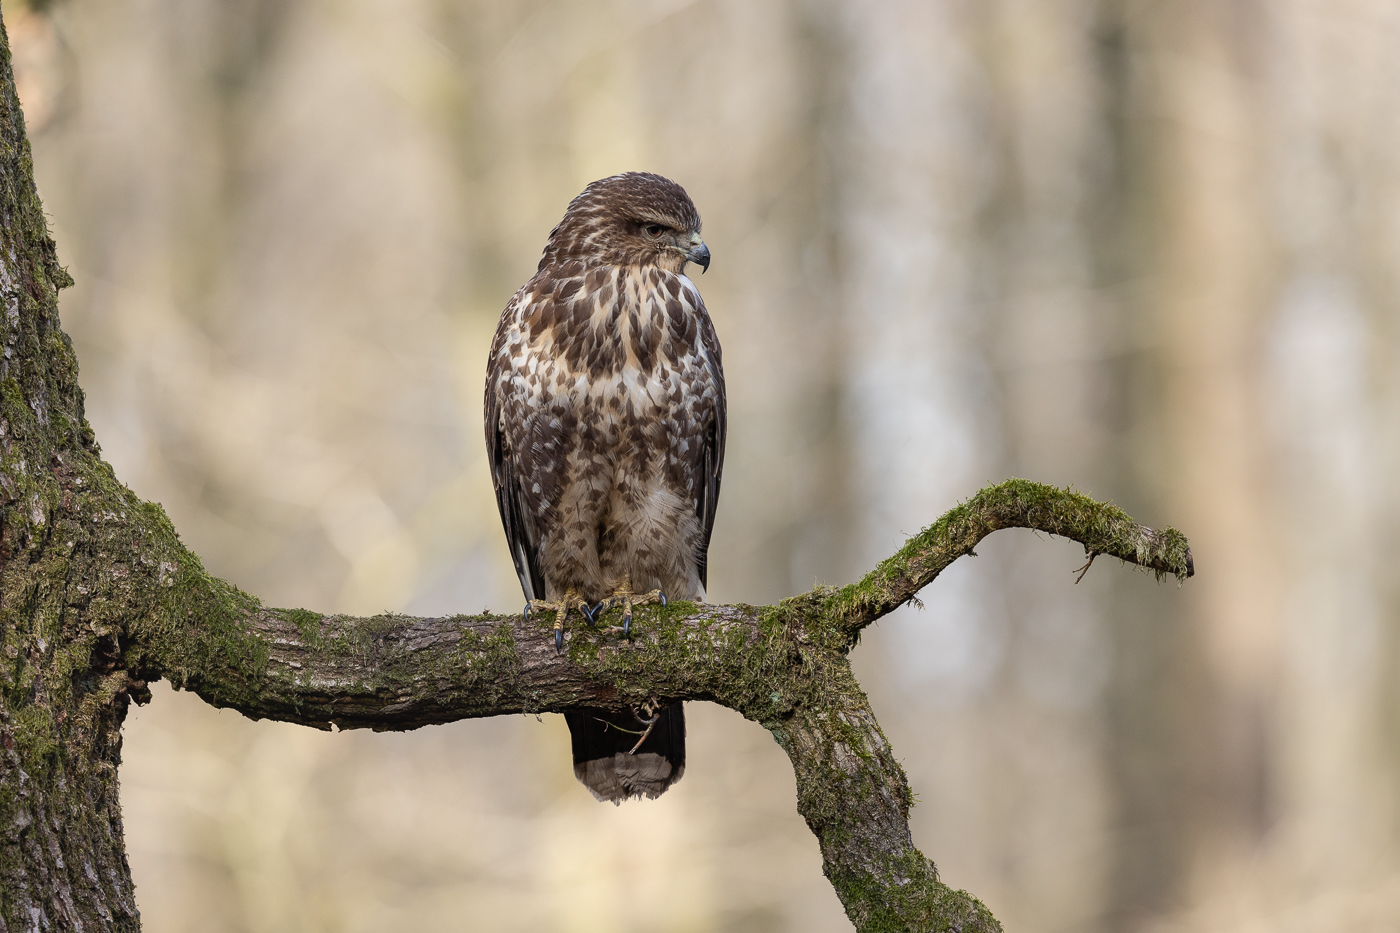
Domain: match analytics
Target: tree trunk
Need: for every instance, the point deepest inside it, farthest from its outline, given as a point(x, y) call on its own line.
point(65, 589)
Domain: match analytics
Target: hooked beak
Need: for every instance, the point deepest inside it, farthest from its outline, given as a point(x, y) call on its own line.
point(700, 255)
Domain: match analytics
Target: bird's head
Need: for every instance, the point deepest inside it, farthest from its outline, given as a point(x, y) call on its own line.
point(633, 219)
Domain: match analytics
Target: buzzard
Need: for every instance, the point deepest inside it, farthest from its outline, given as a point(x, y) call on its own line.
point(605, 424)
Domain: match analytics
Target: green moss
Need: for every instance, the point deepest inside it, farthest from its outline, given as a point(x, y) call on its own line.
point(488, 664)
point(308, 623)
point(362, 638)
point(34, 734)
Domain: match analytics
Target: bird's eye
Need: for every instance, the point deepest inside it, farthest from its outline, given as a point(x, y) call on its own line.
point(654, 230)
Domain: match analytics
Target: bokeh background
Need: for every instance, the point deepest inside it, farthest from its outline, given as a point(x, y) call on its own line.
point(1151, 249)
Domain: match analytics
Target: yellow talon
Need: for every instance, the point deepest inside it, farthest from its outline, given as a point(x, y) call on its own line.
point(560, 609)
point(624, 597)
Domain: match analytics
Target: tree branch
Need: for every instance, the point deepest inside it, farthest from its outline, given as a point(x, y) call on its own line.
point(855, 798)
point(401, 672)
point(1017, 503)
point(784, 666)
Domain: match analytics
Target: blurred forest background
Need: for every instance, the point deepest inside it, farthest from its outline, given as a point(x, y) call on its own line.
point(1151, 249)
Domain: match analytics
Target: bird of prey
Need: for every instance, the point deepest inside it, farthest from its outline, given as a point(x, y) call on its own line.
point(605, 424)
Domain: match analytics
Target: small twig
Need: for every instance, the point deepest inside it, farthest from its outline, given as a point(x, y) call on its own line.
point(650, 725)
point(1085, 569)
point(613, 725)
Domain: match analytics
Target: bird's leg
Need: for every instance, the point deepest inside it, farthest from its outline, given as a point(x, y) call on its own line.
point(571, 600)
point(624, 597)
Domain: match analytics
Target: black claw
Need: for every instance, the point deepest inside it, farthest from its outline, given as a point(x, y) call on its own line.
point(627, 626)
point(663, 595)
point(558, 640)
point(599, 608)
point(527, 612)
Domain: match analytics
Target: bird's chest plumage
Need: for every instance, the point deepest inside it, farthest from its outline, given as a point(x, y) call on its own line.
point(607, 386)
point(611, 361)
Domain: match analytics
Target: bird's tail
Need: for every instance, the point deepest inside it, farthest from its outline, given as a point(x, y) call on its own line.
point(603, 757)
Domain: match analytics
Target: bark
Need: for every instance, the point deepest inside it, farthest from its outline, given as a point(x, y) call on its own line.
point(98, 598)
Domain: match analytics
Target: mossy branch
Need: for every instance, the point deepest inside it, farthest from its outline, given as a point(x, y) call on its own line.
point(1102, 528)
point(784, 666)
point(401, 672)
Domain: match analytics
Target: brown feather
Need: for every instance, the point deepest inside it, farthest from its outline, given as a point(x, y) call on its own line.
point(605, 420)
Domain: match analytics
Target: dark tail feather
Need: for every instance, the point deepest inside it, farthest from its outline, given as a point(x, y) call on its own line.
point(602, 742)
